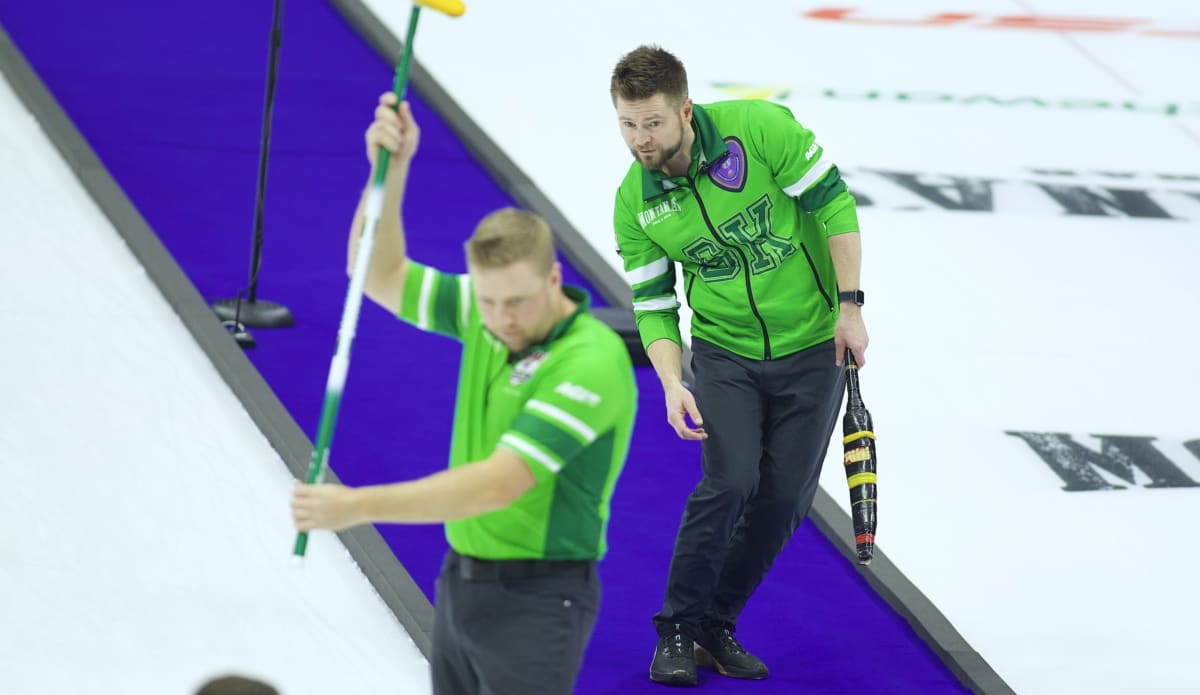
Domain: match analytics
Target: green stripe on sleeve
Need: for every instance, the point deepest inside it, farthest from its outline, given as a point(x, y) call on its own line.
point(444, 314)
point(661, 286)
point(410, 302)
point(823, 191)
point(840, 215)
point(431, 300)
point(656, 325)
point(544, 465)
point(557, 440)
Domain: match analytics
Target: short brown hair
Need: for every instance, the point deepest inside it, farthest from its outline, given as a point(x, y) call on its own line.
point(646, 71)
point(236, 685)
point(509, 235)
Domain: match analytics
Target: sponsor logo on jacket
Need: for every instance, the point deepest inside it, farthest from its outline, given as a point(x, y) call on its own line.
point(658, 213)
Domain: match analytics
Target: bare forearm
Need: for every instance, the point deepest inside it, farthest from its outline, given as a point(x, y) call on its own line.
point(846, 251)
point(461, 492)
point(850, 333)
point(667, 358)
point(451, 494)
point(389, 250)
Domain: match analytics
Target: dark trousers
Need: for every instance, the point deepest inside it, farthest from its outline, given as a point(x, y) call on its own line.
point(501, 628)
point(769, 425)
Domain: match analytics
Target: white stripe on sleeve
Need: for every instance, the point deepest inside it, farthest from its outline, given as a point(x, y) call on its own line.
point(656, 304)
point(648, 271)
point(424, 298)
point(819, 169)
point(564, 418)
point(522, 447)
point(464, 301)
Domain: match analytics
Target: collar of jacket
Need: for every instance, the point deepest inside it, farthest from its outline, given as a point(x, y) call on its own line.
point(708, 150)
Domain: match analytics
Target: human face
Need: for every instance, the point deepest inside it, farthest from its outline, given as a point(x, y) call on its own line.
point(517, 302)
point(656, 133)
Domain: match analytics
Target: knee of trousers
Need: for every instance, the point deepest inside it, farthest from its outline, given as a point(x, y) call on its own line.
point(782, 514)
point(781, 501)
point(726, 491)
point(713, 510)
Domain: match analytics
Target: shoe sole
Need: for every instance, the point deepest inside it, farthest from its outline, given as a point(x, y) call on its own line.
point(706, 660)
point(676, 678)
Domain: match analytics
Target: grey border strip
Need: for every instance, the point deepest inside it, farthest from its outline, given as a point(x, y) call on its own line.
point(906, 599)
point(393, 583)
point(830, 518)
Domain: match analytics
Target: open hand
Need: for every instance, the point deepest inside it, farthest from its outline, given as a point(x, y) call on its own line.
point(681, 406)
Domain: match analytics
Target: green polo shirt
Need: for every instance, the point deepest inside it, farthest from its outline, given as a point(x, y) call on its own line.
point(566, 407)
point(749, 224)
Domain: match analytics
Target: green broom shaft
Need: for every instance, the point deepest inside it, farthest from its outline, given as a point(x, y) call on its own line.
point(340, 365)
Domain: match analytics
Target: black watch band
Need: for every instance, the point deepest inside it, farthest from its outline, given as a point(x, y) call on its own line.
point(855, 296)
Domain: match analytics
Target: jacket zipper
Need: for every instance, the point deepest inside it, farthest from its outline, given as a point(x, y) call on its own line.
point(816, 278)
point(745, 266)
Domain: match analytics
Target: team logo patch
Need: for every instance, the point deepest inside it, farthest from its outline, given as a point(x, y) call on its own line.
point(729, 171)
point(523, 371)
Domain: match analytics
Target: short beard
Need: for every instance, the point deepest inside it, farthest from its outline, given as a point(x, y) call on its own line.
point(666, 156)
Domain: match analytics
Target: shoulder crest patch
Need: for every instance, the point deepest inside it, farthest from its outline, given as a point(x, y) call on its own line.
point(523, 371)
point(729, 172)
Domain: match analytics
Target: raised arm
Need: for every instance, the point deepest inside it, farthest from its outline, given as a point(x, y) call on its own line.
point(395, 130)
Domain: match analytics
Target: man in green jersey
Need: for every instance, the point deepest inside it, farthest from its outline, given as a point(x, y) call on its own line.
point(746, 201)
point(544, 413)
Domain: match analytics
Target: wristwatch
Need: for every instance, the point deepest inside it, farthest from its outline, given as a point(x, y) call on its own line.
point(855, 296)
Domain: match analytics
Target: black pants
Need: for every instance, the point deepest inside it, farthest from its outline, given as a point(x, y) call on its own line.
point(499, 631)
point(769, 425)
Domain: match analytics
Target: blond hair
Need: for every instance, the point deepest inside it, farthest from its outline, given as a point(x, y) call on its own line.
point(510, 235)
